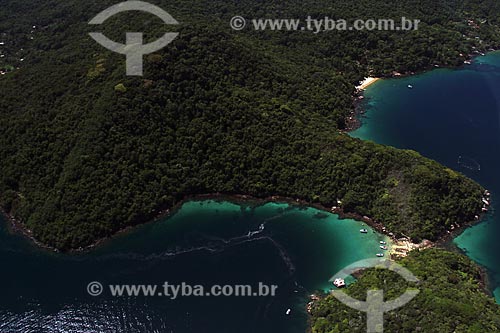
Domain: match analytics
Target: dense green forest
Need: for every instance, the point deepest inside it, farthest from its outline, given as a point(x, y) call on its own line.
point(86, 151)
point(450, 299)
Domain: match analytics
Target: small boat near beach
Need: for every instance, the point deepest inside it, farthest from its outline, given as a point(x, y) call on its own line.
point(383, 243)
point(383, 247)
point(363, 231)
point(339, 283)
point(380, 255)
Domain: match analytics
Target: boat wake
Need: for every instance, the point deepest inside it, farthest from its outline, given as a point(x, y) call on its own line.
point(206, 243)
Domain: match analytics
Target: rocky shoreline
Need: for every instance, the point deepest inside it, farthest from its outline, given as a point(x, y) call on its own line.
point(400, 241)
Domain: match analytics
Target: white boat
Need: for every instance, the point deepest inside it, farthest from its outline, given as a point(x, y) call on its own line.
point(288, 312)
point(383, 243)
point(380, 255)
point(410, 86)
point(339, 283)
point(363, 231)
point(383, 247)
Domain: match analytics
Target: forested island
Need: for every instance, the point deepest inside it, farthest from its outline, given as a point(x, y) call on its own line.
point(86, 151)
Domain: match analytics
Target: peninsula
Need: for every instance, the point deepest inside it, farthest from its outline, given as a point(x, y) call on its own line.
point(86, 152)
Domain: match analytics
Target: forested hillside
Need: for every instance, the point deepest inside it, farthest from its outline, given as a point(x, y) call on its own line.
point(86, 151)
point(450, 299)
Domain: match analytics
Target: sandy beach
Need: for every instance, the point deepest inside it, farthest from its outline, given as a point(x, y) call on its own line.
point(367, 82)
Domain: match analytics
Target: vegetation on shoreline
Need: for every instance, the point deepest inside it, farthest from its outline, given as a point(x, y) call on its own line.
point(86, 151)
point(451, 299)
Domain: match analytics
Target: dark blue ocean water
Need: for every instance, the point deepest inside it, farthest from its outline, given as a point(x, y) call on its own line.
point(205, 243)
point(452, 116)
point(448, 114)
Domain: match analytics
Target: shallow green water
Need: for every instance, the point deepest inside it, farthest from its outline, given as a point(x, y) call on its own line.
point(205, 242)
point(452, 116)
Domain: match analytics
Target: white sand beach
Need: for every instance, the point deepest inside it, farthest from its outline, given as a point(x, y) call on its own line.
point(367, 82)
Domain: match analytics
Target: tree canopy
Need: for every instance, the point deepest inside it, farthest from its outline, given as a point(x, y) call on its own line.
point(86, 151)
point(450, 299)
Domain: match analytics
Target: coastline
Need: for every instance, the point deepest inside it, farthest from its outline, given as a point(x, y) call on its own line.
point(16, 226)
point(402, 243)
point(367, 82)
point(352, 123)
point(352, 119)
point(248, 200)
point(445, 241)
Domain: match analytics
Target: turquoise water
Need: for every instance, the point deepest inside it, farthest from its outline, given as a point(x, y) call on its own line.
point(206, 243)
point(452, 116)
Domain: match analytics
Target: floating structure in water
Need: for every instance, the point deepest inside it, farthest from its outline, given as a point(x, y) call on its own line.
point(339, 283)
point(469, 163)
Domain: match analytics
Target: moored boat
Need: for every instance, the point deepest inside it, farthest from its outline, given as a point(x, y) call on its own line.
point(339, 283)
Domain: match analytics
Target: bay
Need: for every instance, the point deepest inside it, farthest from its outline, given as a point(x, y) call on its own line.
point(204, 243)
point(452, 116)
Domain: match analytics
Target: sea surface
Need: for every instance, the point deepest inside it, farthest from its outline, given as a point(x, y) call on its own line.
point(204, 243)
point(452, 116)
